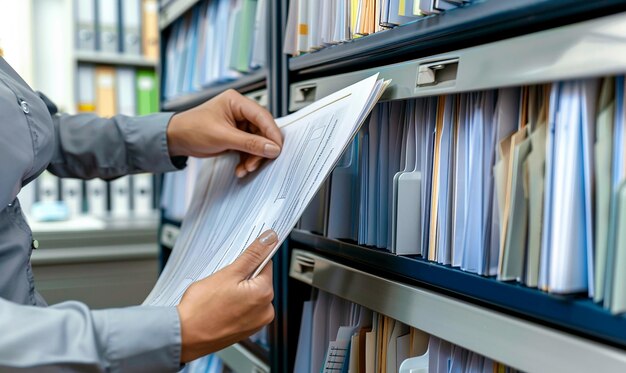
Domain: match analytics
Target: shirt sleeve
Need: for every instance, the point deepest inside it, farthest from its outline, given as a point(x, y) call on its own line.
point(88, 146)
point(70, 337)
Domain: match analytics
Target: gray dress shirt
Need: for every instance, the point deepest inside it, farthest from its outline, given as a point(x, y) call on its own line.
point(69, 336)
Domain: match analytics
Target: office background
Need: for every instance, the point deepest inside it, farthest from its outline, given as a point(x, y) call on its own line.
point(389, 265)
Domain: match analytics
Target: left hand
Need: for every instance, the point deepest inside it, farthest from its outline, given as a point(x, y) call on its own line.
point(228, 121)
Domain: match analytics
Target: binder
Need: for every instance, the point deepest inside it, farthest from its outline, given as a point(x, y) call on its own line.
point(86, 89)
point(85, 25)
point(147, 92)
point(150, 29)
point(72, 196)
point(131, 26)
point(108, 16)
point(125, 91)
point(142, 197)
point(48, 187)
point(105, 91)
point(96, 197)
point(120, 196)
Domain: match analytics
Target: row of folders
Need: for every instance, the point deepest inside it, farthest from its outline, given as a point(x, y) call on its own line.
point(50, 198)
point(316, 24)
point(216, 41)
point(107, 91)
point(116, 26)
point(339, 336)
point(525, 184)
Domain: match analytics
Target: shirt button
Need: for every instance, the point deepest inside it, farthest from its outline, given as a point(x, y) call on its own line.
point(35, 244)
point(25, 107)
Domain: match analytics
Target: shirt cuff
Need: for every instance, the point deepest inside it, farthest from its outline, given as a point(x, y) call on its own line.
point(147, 140)
point(140, 339)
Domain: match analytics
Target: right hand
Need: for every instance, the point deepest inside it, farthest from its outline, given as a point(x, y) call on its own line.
point(227, 307)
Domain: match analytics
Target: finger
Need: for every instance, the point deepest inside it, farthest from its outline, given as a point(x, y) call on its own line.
point(255, 254)
point(245, 109)
point(252, 163)
point(236, 139)
point(240, 170)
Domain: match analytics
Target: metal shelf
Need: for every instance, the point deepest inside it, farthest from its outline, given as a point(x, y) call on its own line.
point(245, 84)
point(119, 59)
point(510, 340)
point(173, 10)
point(471, 25)
point(573, 314)
point(240, 360)
point(557, 54)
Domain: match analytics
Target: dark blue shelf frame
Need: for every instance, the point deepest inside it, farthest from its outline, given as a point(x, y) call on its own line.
point(479, 23)
point(576, 315)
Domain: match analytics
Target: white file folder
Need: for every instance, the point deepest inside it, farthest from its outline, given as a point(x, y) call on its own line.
point(96, 197)
point(142, 194)
point(85, 25)
point(72, 196)
point(108, 26)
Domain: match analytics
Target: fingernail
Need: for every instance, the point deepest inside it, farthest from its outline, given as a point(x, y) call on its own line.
point(271, 150)
point(240, 173)
point(268, 237)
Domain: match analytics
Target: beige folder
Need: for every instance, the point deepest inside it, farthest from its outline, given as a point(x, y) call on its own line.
point(150, 29)
point(105, 91)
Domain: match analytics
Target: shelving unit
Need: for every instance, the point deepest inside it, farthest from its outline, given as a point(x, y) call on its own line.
point(246, 84)
point(116, 59)
point(513, 341)
point(492, 44)
point(465, 27)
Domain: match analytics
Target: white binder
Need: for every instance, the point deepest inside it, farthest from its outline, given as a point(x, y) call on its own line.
point(108, 26)
point(131, 26)
point(85, 25)
point(142, 194)
point(96, 197)
point(72, 196)
point(120, 196)
point(126, 94)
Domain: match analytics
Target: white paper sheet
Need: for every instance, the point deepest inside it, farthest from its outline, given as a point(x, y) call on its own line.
point(227, 213)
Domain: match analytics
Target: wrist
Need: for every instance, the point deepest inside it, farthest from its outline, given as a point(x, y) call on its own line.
point(172, 133)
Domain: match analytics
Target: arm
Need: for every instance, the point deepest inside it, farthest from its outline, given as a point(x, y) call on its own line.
point(88, 146)
point(215, 312)
point(68, 336)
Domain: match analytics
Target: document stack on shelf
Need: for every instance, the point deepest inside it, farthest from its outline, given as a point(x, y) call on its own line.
point(313, 25)
point(499, 183)
point(113, 26)
point(339, 336)
point(216, 41)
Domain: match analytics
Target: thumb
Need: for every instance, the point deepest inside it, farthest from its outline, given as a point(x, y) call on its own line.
point(246, 142)
point(255, 254)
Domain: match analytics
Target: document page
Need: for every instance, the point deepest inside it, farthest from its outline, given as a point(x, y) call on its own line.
point(227, 213)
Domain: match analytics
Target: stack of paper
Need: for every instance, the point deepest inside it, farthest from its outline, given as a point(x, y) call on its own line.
point(214, 42)
point(316, 24)
point(445, 357)
point(274, 197)
point(350, 338)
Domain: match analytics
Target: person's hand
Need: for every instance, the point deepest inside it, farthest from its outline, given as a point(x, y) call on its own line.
point(227, 307)
point(229, 121)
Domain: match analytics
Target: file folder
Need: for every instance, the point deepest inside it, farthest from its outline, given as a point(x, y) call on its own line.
point(108, 26)
point(150, 29)
point(142, 197)
point(125, 91)
point(72, 196)
point(131, 26)
point(105, 91)
point(120, 196)
point(86, 76)
point(85, 24)
point(96, 197)
point(147, 92)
